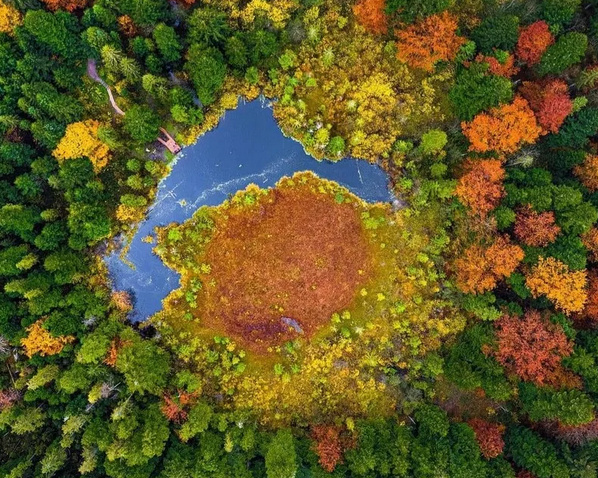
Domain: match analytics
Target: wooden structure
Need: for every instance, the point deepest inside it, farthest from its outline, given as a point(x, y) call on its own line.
point(169, 142)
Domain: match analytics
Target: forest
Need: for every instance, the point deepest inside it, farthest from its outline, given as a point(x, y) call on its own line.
point(450, 334)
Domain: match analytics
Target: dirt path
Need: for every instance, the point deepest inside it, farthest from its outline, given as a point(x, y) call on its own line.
point(92, 72)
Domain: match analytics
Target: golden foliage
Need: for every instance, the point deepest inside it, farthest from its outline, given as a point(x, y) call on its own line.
point(122, 300)
point(10, 18)
point(39, 340)
point(81, 140)
point(565, 288)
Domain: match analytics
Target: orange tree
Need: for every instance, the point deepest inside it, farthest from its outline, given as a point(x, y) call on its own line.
point(480, 188)
point(428, 41)
point(370, 14)
point(504, 129)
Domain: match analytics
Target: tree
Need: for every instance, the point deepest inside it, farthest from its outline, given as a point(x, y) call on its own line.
point(489, 437)
point(503, 129)
point(552, 278)
point(533, 42)
point(481, 187)
point(281, 457)
point(550, 101)
point(536, 229)
point(479, 268)
point(569, 49)
point(576, 130)
point(142, 123)
point(10, 18)
point(327, 445)
point(207, 69)
point(569, 407)
point(532, 347)
point(144, 365)
point(208, 27)
point(500, 64)
point(528, 450)
point(81, 140)
point(40, 341)
point(559, 12)
point(168, 42)
point(68, 5)
point(587, 172)
point(52, 30)
point(198, 420)
point(476, 89)
point(499, 32)
point(428, 41)
point(371, 14)
point(410, 10)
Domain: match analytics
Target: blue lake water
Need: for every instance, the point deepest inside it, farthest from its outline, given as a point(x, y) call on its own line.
point(246, 147)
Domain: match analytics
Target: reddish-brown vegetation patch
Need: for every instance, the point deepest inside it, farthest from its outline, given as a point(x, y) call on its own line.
point(297, 260)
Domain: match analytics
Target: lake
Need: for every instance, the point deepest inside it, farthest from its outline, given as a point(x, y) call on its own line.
point(246, 147)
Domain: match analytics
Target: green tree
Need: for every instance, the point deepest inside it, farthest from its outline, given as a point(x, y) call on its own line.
point(208, 27)
point(500, 31)
point(142, 123)
point(168, 42)
point(281, 457)
point(559, 12)
point(475, 90)
point(207, 70)
point(568, 50)
point(533, 453)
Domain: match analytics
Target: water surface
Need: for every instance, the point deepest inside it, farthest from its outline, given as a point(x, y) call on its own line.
point(246, 147)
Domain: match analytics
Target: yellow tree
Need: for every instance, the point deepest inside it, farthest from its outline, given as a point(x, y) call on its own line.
point(9, 18)
point(39, 340)
point(565, 288)
point(81, 140)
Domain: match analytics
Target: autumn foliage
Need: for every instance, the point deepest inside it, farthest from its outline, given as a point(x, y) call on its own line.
point(536, 229)
point(329, 445)
point(126, 26)
point(370, 14)
point(591, 307)
point(590, 240)
point(565, 288)
point(550, 102)
point(495, 67)
point(587, 172)
point(122, 300)
point(489, 437)
point(480, 268)
point(430, 40)
point(174, 408)
point(481, 188)
point(9, 18)
point(68, 5)
point(504, 129)
point(39, 340)
point(532, 347)
point(81, 140)
point(533, 42)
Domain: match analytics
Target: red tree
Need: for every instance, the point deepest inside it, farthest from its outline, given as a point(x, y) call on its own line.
point(550, 102)
point(481, 188)
point(489, 437)
point(506, 68)
point(328, 445)
point(533, 42)
point(68, 5)
point(532, 347)
point(536, 229)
